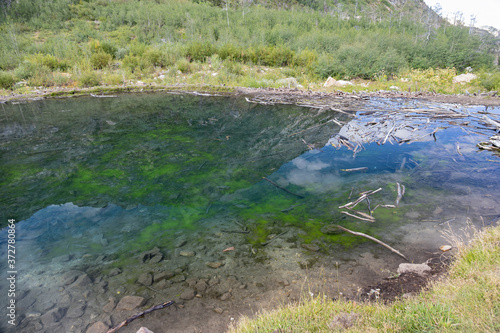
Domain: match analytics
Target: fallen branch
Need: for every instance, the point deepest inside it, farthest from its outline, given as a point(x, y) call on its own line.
point(362, 169)
point(282, 188)
point(373, 239)
point(140, 314)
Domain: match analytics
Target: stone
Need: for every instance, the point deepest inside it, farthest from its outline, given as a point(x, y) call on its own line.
point(98, 327)
point(144, 330)
point(331, 82)
point(464, 78)
point(310, 247)
point(181, 243)
point(76, 310)
point(226, 296)
point(218, 310)
point(145, 279)
point(70, 277)
point(419, 269)
point(213, 281)
point(82, 282)
point(146, 256)
point(128, 303)
point(110, 305)
point(331, 230)
point(188, 294)
point(163, 284)
point(163, 276)
point(201, 285)
point(187, 253)
point(52, 317)
point(61, 259)
point(445, 248)
point(437, 211)
point(156, 259)
point(214, 265)
point(115, 271)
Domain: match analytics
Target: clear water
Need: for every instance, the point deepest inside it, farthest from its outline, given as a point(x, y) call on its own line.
point(115, 188)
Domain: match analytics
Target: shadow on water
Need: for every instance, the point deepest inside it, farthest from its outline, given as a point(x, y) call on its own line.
point(162, 196)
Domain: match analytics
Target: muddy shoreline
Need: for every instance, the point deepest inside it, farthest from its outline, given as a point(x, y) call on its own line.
point(273, 95)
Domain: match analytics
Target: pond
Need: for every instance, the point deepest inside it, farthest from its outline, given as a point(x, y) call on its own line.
point(226, 206)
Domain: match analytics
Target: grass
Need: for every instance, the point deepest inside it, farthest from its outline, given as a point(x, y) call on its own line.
point(231, 74)
point(467, 300)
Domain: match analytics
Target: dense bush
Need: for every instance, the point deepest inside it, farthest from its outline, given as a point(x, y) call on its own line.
point(7, 81)
point(89, 79)
point(490, 81)
point(100, 60)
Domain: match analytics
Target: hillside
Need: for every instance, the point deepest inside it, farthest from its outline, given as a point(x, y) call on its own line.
point(96, 42)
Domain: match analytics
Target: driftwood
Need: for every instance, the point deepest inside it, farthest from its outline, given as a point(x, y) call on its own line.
point(140, 314)
point(363, 196)
point(373, 239)
point(282, 188)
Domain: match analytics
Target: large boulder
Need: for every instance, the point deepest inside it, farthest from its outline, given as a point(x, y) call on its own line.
point(331, 82)
point(419, 269)
point(464, 78)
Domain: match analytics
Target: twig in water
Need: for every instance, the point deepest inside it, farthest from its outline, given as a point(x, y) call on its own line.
point(387, 136)
point(284, 189)
point(385, 206)
point(401, 192)
point(140, 314)
point(278, 235)
point(371, 219)
point(373, 239)
point(362, 169)
point(458, 148)
point(351, 205)
point(450, 220)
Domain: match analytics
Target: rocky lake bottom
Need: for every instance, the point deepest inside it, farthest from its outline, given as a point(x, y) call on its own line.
point(227, 206)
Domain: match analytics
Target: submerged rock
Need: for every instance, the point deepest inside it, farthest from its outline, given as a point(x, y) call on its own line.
point(52, 317)
point(187, 253)
point(188, 294)
point(76, 310)
point(419, 269)
point(310, 247)
point(128, 303)
point(145, 279)
point(214, 265)
point(98, 327)
point(144, 330)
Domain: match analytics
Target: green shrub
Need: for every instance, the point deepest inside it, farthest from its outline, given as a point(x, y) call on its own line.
point(47, 60)
point(198, 51)
point(233, 67)
point(7, 80)
point(184, 65)
point(100, 60)
point(42, 77)
point(154, 57)
point(109, 48)
point(88, 79)
point(230, 51)
point(305, 58)
point(131, 62)
point(215, 61)
point(490, 81)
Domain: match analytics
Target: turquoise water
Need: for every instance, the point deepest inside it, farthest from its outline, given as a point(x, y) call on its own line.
point(151, 183)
